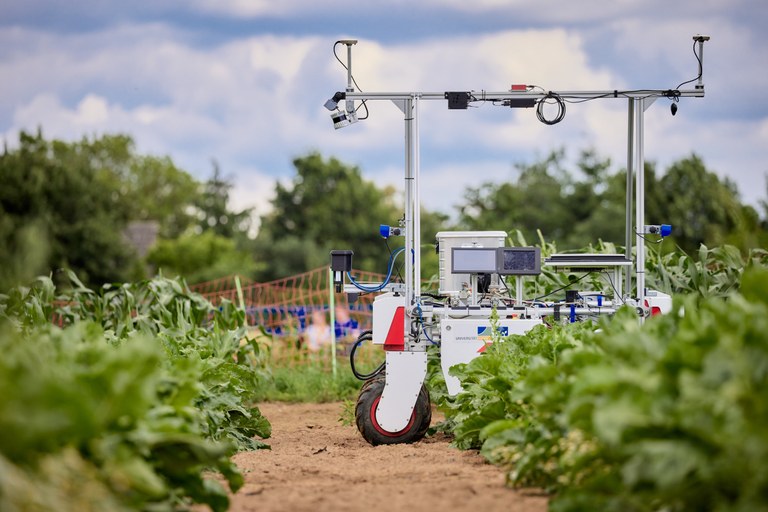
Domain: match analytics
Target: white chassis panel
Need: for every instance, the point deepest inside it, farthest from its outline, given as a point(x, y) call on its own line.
point(405, 374)
point(464, 339)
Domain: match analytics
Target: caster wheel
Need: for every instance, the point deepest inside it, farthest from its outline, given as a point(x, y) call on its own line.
point(365, 416)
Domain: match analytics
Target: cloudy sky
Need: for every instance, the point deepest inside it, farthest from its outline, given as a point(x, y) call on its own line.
point(243, 82)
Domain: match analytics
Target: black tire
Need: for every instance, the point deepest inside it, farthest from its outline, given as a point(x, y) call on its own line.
point(365, 415)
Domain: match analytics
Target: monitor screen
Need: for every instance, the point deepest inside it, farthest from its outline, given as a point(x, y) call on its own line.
point(518, 261)
point(473, 260)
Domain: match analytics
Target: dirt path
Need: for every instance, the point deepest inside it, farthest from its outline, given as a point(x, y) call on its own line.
point(316, 464)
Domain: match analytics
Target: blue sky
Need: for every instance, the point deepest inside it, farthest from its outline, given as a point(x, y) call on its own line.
point(244, 81)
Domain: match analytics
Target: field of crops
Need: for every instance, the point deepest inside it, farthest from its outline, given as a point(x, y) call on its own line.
point(136, 396)
point(671, 415)
point(142, 394)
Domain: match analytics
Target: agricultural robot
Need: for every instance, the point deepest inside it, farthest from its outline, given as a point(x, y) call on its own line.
point(393, 405)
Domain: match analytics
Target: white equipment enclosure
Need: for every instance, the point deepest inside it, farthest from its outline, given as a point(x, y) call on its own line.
point(393, 405)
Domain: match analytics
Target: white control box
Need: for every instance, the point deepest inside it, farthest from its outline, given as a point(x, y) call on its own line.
point(450, 283)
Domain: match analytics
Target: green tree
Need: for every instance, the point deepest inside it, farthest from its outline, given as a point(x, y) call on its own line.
point(544, 197)
point(216, 241)
point(701, 207)
point(606, 216)
point(66, 195)
point(155, 189)
point(214, 212)
point(23, 251)
point(431, 224)
point(200, 257)
point(66, 205)
point(705, 209)
point(328, 205)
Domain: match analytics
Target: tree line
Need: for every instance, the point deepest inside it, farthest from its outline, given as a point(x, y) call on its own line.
point(70, 204)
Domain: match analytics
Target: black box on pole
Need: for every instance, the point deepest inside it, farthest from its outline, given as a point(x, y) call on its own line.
point(341, 261)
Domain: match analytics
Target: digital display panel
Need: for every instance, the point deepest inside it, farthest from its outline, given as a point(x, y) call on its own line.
point(473, 260)
point(518, 261)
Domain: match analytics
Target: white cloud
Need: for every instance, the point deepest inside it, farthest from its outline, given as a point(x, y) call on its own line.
point(559, 11)
point(250, 8)
point(92, 111)
point(232, 101)
point(519, 11)
point(252, 189)
point(254, 103)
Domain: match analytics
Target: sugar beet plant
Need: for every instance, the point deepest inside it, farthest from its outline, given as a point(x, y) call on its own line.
point(670, 415)
point(135, 401)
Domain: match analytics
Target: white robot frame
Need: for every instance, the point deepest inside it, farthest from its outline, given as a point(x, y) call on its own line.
point(406, 323)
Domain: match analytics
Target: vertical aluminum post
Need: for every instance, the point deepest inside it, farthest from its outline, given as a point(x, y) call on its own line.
point(350, 104)
point(409, 217)
point(518, 291)
point(349, 68)
point(700, 39)
point(416, 205)
point(628, 233)
point(640, 199)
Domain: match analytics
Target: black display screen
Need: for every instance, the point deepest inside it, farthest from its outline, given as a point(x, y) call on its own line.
point(518, 261)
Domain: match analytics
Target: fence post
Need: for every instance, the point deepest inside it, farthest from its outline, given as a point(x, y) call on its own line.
point(240, 296)
point(332, 306)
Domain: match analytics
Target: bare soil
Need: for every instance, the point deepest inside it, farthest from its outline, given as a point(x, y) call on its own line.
point(317, 464)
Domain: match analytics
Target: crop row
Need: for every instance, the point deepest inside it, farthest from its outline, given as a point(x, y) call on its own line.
point(136, 401)
point(668, 415)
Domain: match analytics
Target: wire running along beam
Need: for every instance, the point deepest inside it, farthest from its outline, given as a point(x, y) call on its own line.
point(503, 95)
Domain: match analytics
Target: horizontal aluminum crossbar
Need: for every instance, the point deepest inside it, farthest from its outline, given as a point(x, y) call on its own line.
point(503, 95)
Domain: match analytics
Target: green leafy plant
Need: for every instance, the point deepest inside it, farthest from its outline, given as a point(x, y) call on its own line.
point(347, 415)
point(146, 386)
point(714, 272)
point(667, 415)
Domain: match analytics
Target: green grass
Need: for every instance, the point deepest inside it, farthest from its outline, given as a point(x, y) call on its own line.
point(308, 377)
point(309, 384)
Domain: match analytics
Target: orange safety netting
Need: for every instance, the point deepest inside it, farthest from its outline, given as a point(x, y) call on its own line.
point(298, 306)
point(219, 285)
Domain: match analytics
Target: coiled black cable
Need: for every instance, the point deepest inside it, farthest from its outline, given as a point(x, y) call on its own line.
point(560, 108)
point(364, 336)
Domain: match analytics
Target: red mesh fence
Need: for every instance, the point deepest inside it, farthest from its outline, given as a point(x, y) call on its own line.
point(295, 312)
point(222, 284)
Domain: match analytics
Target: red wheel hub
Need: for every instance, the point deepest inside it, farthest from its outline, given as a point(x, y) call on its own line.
point(381, 430)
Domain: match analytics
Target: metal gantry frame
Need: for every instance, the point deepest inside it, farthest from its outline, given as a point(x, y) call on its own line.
point(408, 102)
